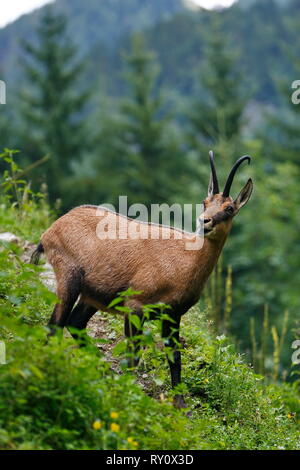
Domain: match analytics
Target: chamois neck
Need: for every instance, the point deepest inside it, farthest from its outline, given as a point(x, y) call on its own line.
point(213, 248)
point(208, 257)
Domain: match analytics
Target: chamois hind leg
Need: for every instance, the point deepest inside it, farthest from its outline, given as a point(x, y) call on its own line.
point(79, 318)
point(68, 290)
point(170, 335)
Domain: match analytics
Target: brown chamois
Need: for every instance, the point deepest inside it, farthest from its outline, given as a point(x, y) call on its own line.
point(91, 269)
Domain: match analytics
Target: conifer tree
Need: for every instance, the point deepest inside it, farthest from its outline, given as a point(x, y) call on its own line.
point(217, 117)
point(138, 152)
point(281, 134)
point(53, 101)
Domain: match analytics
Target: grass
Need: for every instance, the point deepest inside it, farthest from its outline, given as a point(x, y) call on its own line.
point(55, 396)
point(58, 397)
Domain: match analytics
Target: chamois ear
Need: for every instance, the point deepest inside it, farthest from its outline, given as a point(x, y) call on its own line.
point(244, 195)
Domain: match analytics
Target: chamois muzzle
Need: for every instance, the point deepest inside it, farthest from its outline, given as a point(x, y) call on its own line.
point(232, 174)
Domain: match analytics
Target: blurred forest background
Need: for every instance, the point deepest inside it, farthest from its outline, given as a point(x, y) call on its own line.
point(127, 97)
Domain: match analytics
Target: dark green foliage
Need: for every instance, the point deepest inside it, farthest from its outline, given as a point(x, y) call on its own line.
point(218, 115)
point(281, 133)
point(52, 106)
point(151, 152)
point(137, 151)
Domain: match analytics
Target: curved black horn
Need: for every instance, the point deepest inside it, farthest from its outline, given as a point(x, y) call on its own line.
point(233, 172)
point(215, 183)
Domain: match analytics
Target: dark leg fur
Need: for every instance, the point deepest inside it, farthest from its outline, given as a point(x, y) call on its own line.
point(68, 296)
point(79, 318)
point(170, 333)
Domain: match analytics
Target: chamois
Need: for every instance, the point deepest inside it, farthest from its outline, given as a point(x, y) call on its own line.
point(92, 268)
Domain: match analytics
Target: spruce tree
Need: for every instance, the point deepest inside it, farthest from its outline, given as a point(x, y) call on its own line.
point(138, 151)
point(281, 134)
point(152, 160)
point(216, 119)
point(53, 102)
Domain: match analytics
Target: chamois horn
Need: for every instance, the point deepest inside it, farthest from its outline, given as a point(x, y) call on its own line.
point(215, 184)
point(232, 174)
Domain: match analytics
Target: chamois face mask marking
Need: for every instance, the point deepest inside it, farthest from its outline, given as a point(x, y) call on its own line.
point(219, 206)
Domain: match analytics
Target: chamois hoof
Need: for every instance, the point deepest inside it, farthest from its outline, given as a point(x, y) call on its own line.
point(178, 402)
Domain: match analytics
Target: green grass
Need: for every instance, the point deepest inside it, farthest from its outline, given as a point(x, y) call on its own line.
point(29, 224)
point(54, 396)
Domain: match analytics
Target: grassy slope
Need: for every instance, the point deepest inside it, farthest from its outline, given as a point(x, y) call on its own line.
point(58, 397)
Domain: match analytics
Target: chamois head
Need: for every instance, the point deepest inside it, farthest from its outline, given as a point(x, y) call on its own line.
point(219, 207)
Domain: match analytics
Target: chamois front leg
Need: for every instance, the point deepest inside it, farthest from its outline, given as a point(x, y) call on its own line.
point(170, 335)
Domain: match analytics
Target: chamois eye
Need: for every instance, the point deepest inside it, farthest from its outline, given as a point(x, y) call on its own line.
point(229, 209)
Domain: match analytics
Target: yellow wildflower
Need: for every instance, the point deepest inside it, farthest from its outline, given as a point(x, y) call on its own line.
point(291, 415)
point(115, 427)
point(130, 440)
point(206, 381)
point(97, 425)
point(135, 444)
point(114, 415)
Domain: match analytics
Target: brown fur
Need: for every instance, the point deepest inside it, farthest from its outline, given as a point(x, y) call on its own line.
point(162, 269)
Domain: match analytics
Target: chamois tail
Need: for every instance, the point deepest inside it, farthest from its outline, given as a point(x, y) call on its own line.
point(35, 257)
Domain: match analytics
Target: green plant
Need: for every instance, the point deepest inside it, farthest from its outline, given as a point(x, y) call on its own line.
point(21, 210)
point(260, 351)
point(218, 298)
